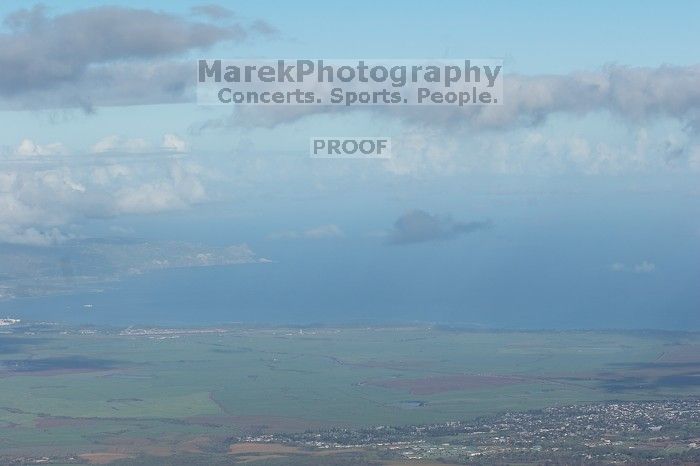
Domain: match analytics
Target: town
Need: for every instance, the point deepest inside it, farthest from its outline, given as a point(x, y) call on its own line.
point(626, 432)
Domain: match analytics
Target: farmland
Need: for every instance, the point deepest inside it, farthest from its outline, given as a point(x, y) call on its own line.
point(109, 395)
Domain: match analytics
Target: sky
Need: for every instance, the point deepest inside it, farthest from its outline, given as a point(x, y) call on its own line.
point(572, 205)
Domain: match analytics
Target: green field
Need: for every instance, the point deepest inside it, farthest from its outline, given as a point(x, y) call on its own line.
point(71, 391)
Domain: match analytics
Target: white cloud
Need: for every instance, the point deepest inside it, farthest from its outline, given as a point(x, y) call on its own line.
point(28, 148)
point(324, 231)
point(106, 144)
point(618, 267)
point(106, 174)
point(40, 202)
point(182, 189)
point(547, 150)
point(31, 236)
point(422, 151)
point(37, 206)
point(694, 157)
point(319, 232)
point(171, 142)
point(115, 143)
point(643, 267)
point(148, 198)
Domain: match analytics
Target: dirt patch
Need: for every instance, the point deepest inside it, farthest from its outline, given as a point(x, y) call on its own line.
point(157, 446)
point(104, 458)
point(250, 459)
point(246, 448)
point(249, 451)
point(414, 463)
point(195, 445)
point(445, 383)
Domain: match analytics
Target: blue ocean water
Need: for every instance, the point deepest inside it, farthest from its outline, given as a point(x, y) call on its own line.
point(282, 294)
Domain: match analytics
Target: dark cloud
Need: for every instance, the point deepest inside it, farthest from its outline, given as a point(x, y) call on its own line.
point(633, 94)
point(213, 11)
point(123, 83)
point(264, 28)
point(102, 56)
point(123, 56)
point(418, 226)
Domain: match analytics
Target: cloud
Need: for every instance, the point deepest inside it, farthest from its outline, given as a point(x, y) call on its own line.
point(630, 93)
point(618, 267)
point(28, 148)
point(182, 189)
point(33, 205)
point(423, 151)
point(174, 143)
point(108, 55)
point(324, 231)
point(41, 205)
point(264, 28)
point(104, 55)
point(212, 11)
point(644, 267)
point(115, 143)
point(32, 236)
point(418, 226)
point(41, 50)
point(118, 144)
point(106, 144)
point(319, 232)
